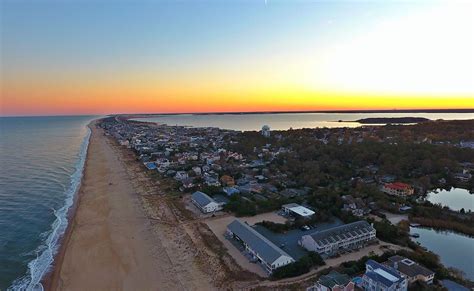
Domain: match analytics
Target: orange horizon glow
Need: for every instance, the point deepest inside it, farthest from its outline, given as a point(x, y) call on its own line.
point(86, 103)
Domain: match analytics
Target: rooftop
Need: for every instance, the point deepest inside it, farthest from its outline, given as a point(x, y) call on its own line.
point(345, 231)
point(298, 209)
point(398, 186)
point(201, 198)
point(408, 267)
point(383, 274)
point(267, 250)
point(333, 279)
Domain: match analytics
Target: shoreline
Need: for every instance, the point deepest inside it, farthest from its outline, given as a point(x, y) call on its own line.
point(53, 272)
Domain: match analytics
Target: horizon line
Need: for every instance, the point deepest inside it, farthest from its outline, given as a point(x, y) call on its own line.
point(419, 110)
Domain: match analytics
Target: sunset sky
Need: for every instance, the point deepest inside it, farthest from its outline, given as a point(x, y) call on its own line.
point(96, 57)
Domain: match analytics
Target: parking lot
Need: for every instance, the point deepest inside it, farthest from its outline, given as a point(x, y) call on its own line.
point(289, 241)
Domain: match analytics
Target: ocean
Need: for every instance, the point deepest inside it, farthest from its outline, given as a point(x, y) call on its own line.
point(41, 163)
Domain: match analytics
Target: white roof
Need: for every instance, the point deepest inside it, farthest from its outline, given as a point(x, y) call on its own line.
point(301, 210)
point(386, 275)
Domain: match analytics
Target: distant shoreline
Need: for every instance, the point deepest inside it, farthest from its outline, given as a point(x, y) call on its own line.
point(450, 110)
point(303, 111)
point(391, 120)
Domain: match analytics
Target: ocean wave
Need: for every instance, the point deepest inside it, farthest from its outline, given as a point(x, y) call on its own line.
point(38, 267)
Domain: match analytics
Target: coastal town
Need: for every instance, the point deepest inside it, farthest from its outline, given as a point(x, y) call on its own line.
point(314, 209)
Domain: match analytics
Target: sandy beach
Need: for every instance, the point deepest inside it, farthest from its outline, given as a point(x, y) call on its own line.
point(110, 243)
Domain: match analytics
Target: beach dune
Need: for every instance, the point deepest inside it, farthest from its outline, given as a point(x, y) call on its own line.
point(109, 245)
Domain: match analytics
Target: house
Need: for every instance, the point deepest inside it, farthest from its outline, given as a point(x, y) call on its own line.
point(356, 206)
point(251, 188)
point(383, 278)
point(211, 180)
point(188, 183)
point(464, 177)
point(181, 175)
point(334, 240)
point(150, 165)
point(205, 203)
point(334, 281)
point(227, 181)
point(291, 192)
point(388, 178)
point(297, 210)
point(398, 189)
point(197, 171)
point(259, 247)
point(411, 270)
point(230, 191)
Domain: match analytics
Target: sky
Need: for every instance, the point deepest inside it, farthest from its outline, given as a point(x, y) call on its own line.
point(66, 57)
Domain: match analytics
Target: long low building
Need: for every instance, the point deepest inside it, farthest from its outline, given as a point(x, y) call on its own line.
point(345, 237)
point(262, 249)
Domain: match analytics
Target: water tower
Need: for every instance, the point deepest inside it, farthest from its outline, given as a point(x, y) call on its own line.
point(265, 131)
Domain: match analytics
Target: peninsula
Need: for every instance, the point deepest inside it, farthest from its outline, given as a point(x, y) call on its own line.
point(392, 120)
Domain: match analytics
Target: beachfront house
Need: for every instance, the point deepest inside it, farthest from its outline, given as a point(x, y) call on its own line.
point(205, 203)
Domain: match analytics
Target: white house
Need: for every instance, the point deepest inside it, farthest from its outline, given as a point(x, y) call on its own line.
point(297, 210)
point(205, 203)
point(181, 175)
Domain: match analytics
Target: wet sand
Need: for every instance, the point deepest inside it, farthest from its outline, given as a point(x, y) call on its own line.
point(109, 245)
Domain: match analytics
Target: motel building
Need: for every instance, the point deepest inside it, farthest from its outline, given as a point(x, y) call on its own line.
point(264, 251)
point(341, 238)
